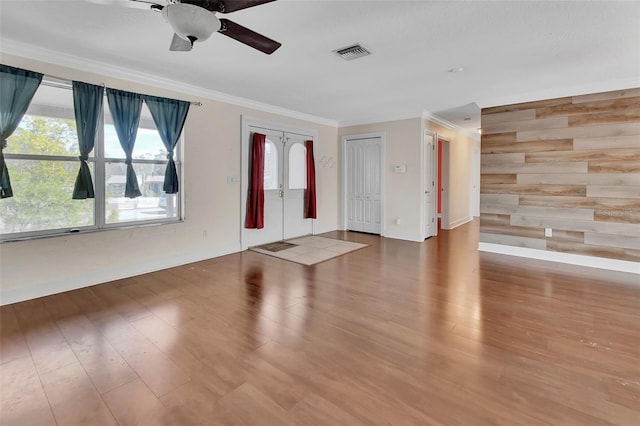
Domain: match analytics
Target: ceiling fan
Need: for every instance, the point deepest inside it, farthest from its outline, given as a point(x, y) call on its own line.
point(196, 20)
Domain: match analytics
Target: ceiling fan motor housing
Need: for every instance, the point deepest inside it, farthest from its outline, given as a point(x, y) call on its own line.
point(191, 22)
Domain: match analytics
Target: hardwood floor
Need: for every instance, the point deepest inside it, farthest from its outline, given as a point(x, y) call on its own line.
point(397, 333)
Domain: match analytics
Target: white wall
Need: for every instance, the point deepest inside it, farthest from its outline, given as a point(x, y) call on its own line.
point(404, 192)
point(211, 154)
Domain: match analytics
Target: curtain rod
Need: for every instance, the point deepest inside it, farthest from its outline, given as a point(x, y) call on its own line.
point(53, 81)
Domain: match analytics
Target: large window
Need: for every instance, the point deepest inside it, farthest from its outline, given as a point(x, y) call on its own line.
point(42, 158)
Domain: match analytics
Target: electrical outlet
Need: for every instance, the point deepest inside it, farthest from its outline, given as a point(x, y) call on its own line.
point(548, 232)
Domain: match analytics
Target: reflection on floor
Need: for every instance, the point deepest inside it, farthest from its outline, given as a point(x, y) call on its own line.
point(397, 333)
point(311, 250)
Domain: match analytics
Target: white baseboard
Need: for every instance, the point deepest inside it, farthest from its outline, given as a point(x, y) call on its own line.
point(404, 236)
point(60, 285)
point(459, 222)
point(554, 256)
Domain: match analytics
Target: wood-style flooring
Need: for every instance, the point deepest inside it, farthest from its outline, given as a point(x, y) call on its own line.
point(398, 333)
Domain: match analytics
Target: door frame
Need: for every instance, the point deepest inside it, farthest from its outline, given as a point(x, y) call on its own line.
point(383, 173)
point(434, 164)
point(445, 219)
point(246, 122)
point(475, 180)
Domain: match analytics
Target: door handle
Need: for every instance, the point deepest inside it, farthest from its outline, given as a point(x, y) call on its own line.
point(281, 193)
point(426, 192)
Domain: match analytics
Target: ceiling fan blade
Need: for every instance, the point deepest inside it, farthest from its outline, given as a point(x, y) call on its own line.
point(226, 6)
point(178, 44)
point(233, 5)
point(134, 4)
point(248, 37)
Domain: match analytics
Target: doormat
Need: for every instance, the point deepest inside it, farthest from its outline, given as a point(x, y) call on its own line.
point(310, 250)
point(277, 246)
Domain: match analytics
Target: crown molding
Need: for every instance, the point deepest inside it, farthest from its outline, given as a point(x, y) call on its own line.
point(28, 51)
point(441, 121)
point(378, 119)
point(426, 115)
point(449, 125)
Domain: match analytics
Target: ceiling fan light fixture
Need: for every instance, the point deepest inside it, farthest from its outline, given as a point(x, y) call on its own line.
point(191, 22)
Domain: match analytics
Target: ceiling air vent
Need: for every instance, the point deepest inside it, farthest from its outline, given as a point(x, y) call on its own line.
point(352, 52)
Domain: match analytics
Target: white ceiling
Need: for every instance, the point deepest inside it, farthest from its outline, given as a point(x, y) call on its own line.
point(511, 51)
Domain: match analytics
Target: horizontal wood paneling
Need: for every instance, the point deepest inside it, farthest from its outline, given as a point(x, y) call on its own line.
point(620, 129)
point(571, 164)
point(613, 142)
point(579, 178)
point(499, 178)
point(594, 250)
point(565, 190)
point(516, 157)
point(577, 225)
point(526, 105)
point(609, 191)
point(632, 166)
point(509, 199)
point(617, 215)
point(574, 167)
point(616, 94)
point(518, 231)
point(618, 155)
point(572, 109)
point(579, 202)
point(627, 115)
point(495, 220)
point(567, 236)
point(516, 241)
point(623, 241)
point(556, 212)
point(505, 117)
point(499, 137)
point(519, 126)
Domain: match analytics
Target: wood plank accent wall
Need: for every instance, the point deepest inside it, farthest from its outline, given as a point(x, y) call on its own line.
point(571, 164)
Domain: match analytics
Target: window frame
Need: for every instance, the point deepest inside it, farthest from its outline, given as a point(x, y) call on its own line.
point(97, 158)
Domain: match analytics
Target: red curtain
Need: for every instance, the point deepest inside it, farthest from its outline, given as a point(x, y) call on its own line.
point(255, 201)
point(310, 193)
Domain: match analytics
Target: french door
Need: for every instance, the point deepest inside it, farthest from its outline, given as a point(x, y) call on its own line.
point(285, 179)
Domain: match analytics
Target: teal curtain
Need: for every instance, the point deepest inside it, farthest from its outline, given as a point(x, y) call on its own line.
point(169, 116)
point(125, 112)
point(87, 104)
point(17, 87)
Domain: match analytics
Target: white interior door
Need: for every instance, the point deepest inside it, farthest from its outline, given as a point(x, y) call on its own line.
point(364, 184)
point(294, 184)
point(430, 194)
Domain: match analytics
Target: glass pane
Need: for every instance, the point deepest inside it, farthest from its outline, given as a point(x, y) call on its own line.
point(152, 205)
point(48, 127)
point(297, 166)
point(41, 199)
point(270, 165)
point(148, 144)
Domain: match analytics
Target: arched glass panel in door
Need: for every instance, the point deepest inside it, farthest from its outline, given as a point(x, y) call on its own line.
point(270, 165)
point(297, 166)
